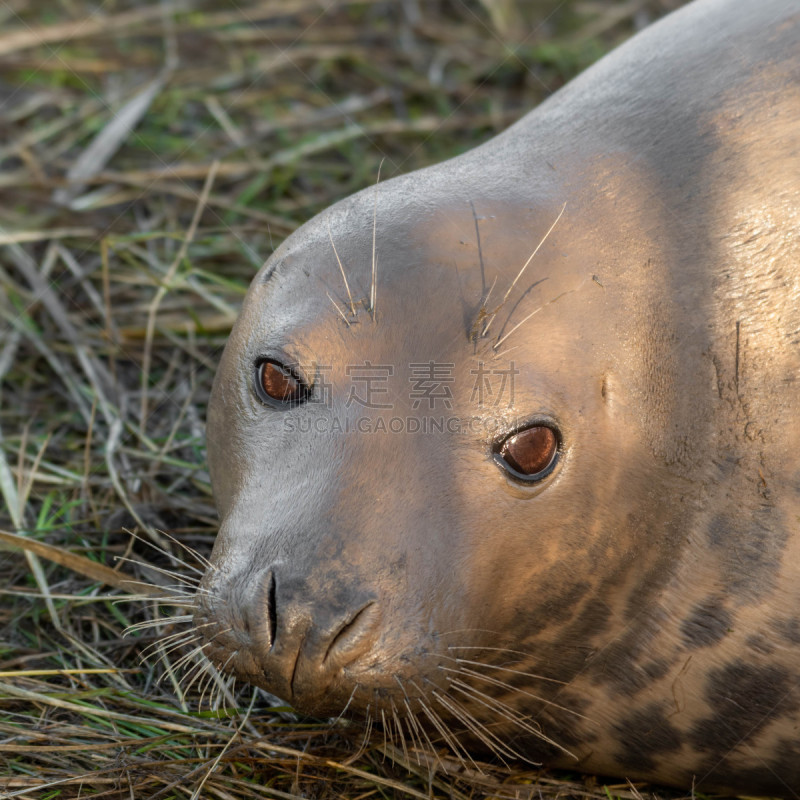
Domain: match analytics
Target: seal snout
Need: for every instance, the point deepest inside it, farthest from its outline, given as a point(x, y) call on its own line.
point(273, 631)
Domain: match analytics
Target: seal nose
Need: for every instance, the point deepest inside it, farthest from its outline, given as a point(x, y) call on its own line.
point(302, 643)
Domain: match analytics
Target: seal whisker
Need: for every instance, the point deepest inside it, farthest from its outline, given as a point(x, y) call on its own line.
point(182, 602)
point(522, 270)
point(536, 311)
point(514, 689)
point(522, 322)
point(202, 591)
point(215, 696)
point(164, 652)
point(399, 727)
point(186, 580)
point(162, 640)
point(192, 654)
point(224, 688)
point(480, 256)
point(493, 704)
point(489, 293)
point(488, 648)
point(472, 630)
point(202, 671)
point(336, 306)
point(503, 668)
point(374, 284)
point(365, 737)
point(491, 316)
point(346, 706)
point(190, 550)
point(214, 675)
point(158, 622)
point(482, 313)
point(506, 351)
point(167, 646)
point(177, 636)
point(231, 687)
point(188, 677)
point(219, 690)
point(513, 716)
point(449, 741)
point(485, 726)
point(185, 659)
point(386, 734)
point(155, 623)
point(367, 729)
point(171, 556)
point(417, 731)
point(397, 734)
point(204, 676)
point(197, 672)
point(438, 723)
point(478, 729)
point(178, 595)
point(344, 277)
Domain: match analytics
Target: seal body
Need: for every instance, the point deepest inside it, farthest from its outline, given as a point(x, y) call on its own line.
point(506, 450)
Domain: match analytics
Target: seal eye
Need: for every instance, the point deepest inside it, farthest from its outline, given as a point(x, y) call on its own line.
point(277, 384)
point(531, 453)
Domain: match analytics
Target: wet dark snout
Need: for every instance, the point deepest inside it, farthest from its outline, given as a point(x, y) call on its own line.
point(272, 629)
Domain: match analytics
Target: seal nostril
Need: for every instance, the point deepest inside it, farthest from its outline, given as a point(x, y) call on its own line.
point(272, 611)
point(347, 629)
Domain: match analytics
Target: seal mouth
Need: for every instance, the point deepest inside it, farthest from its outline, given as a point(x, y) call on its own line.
point(324, 658)
point(269, 631)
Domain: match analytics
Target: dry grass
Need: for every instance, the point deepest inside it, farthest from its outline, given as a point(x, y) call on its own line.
point(152, 154)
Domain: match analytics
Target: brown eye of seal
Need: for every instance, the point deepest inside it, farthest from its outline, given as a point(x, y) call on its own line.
point(278, 385)
point(529, 454)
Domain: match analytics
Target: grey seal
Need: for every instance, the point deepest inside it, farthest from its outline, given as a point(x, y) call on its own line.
point(505, 450)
